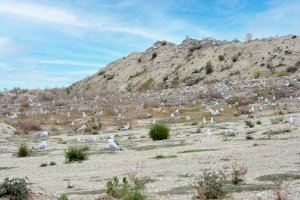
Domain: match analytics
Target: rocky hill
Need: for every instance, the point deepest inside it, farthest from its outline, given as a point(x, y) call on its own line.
point(167, 65)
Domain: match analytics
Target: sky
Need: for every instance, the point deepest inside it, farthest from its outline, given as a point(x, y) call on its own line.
point(54, 43)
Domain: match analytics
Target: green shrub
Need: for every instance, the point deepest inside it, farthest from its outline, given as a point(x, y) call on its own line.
point(52, 163)
point(221, 58)
point(159, 132)
point(23, 150)
point(291, 69)
point(133, 190)
point(195, 47)
point(63, 197)
point(209, 68)
point(75, 153)
point(257, 74)
point(101, 73)
point(249, 124)
point(110, 77)
point(211, 185)
point(238, 173)
point(43, 165)
point(249, 137)
point(15, 188)
point(258, 122)
point(154, 55)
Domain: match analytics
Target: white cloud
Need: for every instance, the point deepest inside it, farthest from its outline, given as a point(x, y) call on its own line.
point(6, 67)
point(69, 62)
point(39, 12)
point(280, 18)
point(7, 46)
point(162, 28)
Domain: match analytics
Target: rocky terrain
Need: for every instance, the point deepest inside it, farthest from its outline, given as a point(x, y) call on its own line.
point(226, 103)
point(167, 65)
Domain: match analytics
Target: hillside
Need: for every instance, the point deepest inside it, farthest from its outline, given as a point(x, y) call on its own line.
point(167, 65)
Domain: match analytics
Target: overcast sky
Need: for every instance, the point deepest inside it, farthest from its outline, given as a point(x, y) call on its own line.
point(52, 43)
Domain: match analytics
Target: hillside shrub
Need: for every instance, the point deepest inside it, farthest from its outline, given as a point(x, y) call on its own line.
point(159, 132)
point(15, 188)
point(75, 153)
point(23, 150)
point(221, 58)
point(257, 74)
point(209, 68)
point(211, 185)
point(127, 190)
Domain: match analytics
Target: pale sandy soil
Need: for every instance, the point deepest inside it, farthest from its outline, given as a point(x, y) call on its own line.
point(168, 178)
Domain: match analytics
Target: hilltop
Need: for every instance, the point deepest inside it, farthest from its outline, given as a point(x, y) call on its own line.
point(196, 62)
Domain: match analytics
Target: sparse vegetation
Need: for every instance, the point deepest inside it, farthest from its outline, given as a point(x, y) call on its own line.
point(75, 153)
point(154, 55)
point(257, 74)
point(249, 124)
point(211, 185)
point(159, 132)
point(101, 73)
point(175, 82)
point(43, 164)
point(164, 157)
point(23, 150)
point(29, 125)
point(209, 68)
point(15, 188)
point(292, 69)
point(63, 196)
point(126, 190)
point(221, 58)
point(249, 137)
point(238, 173)
point(194, 48)
point(276, 132)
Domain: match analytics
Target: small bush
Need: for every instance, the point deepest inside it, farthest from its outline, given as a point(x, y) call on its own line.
point(16, 188)
point(258, 122)
point(209, 68)
point(63, 197)
point(43, 165)
point(238, 174)
point(257, 74)
point(154, 55)
point(195, 47)
point(23, 150)
point(291, 69)
point(249, 137)
point(221, 58)
point(235, 58)
point(249, 124)
point(52, 163)
point(211, 185)
point(127, 190)
point(75, 153)
point(28, 126)
point(159, 132)
point(101, 73)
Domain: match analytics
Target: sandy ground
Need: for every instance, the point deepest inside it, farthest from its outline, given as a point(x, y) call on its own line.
point(169, 178)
